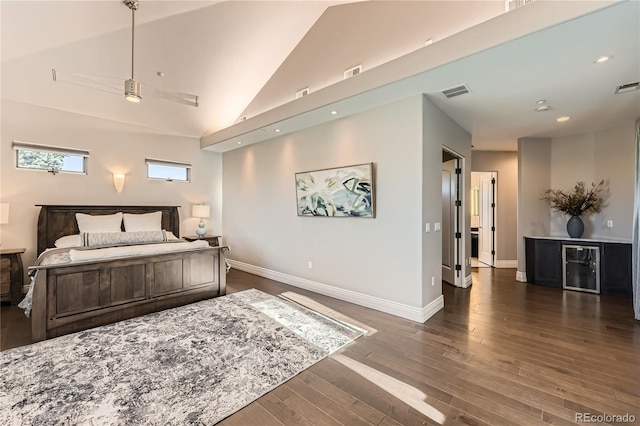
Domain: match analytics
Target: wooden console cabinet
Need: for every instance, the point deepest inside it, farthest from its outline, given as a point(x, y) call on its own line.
point(544, 263)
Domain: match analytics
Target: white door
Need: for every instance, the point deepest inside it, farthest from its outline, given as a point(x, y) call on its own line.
point(448, 220)
point(486, 230)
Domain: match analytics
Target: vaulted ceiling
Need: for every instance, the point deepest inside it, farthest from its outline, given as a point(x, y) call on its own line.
point(248, 58)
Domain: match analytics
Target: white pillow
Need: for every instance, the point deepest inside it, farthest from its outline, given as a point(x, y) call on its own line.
point(69, 241)
point(99, 223)
point(171, 236)
point(143, 222)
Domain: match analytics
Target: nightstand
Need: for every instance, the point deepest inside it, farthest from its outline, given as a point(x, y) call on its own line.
point(213, 240)
point(11, 275)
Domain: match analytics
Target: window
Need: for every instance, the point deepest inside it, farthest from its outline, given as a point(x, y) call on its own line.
point(50, 158)
point(168, 170)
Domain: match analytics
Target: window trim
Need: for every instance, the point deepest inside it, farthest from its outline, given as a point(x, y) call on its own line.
point(25, 146)
point(170, 163)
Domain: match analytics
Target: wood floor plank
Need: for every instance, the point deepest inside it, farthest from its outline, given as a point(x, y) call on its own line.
point(500, 353)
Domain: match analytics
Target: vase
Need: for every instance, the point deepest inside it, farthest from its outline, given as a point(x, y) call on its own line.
point(575, 227)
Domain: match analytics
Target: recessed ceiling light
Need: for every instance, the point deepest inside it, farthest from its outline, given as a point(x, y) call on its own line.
point(602, 59)
point(563, 119)
point(277, 130)
point(543, 108)
point(428, 42)
point(160, 74)
point(239, 143)
point(334, 112)
point(541, 101)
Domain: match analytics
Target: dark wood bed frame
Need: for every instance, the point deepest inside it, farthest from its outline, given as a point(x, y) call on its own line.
point(73, 297)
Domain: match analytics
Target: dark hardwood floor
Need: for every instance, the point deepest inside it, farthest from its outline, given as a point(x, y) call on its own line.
point(499, 353)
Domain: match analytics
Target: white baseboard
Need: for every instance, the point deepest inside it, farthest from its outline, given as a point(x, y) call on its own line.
point(506, 264)
point(467, 282)
point(394, 308)
point(521, 276)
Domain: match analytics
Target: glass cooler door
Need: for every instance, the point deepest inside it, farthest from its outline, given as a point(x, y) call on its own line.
point(581, 268)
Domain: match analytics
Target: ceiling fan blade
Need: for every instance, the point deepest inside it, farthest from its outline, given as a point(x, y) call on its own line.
point(182, 98)
point(104, 84)
point(115, 86)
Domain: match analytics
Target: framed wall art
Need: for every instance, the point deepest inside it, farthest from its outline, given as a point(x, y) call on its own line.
point(338, 192)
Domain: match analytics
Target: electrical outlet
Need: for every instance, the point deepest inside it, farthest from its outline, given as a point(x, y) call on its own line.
point(310, 264)
point(609, 224)
point(436, 226)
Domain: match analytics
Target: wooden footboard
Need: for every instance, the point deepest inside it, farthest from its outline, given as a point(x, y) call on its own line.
point(71, 298)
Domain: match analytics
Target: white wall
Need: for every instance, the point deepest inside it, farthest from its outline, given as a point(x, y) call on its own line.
point(506, 166)
point(113, 147)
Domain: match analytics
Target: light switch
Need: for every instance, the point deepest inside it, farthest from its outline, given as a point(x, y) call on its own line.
point(436, 226)
point(609, 224)
point(427, 227)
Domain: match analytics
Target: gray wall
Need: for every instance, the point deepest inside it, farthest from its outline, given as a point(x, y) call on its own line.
point(389, 257)
point(609, 155)
point(378, 257)
point(534, 176)
point(561, 162)
point(114, 147)
point(506, 165)
point(439, 131)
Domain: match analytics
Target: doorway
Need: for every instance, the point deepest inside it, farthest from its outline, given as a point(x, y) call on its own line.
point(483, 218)
point(452, 218)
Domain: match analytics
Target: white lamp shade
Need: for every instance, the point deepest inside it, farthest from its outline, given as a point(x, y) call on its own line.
point(200, 210)
point(4, 213)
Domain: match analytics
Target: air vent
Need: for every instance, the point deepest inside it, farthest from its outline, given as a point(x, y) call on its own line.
point(629, 87)
point(510, 5)
point(456, 91)
point(303, 92)
point(353, 71)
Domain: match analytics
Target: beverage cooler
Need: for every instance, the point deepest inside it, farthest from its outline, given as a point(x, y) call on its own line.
point(581, 268)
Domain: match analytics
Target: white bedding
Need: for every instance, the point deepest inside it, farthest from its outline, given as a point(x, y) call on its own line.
point(147, 249)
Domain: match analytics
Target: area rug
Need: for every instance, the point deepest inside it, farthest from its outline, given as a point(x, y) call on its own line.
point(196, 364)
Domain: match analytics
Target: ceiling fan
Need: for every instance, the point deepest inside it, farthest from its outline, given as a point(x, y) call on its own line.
point(132, 87)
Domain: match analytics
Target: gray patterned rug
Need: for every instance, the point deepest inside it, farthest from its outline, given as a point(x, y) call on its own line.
point(196, 364)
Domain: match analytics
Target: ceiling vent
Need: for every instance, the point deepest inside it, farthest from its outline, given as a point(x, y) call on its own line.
point(353, 71)
point(510, 5)
point(629, 87)
point(303, 92)
point(456, 91)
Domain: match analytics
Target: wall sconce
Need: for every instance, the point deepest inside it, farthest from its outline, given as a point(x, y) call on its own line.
point(4, 213)
point(118, 181)
point(202, 211)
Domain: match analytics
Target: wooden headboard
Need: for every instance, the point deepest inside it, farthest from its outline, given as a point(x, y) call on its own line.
point(57, 221)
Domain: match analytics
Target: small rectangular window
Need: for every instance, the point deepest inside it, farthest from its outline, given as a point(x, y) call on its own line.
point(50, 158)
point(168, 170)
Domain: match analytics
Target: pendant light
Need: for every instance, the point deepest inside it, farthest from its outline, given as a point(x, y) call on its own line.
point(132, 91)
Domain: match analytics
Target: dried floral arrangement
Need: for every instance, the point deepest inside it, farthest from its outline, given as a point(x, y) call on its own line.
point(580, 200)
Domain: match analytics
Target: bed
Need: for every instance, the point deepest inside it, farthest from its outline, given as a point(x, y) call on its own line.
point(83, 294)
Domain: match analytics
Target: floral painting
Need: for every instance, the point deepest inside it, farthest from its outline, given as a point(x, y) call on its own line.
point(338, 192)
